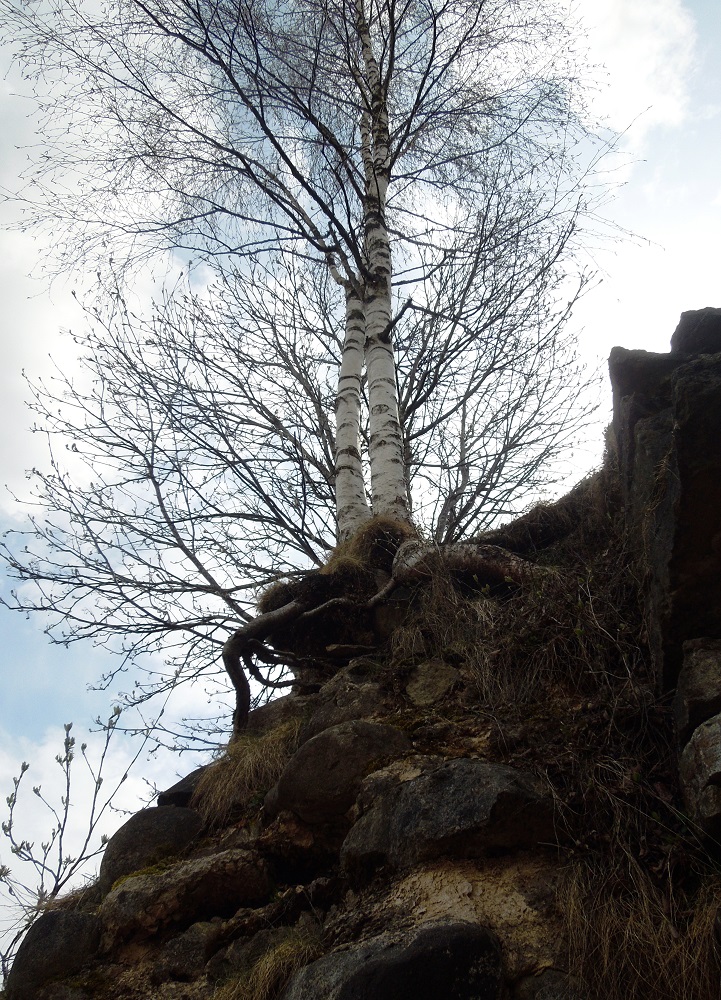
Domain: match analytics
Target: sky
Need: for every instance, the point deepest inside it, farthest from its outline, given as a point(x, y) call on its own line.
point(662, 90)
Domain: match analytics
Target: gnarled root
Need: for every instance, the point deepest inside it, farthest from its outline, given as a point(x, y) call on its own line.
point(489, 564)
point(243, 645)
point(414, 562)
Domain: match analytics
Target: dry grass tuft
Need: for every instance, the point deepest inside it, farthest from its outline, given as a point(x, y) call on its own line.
point(632, 937)
point(249, 766)
point(273, 971)
point(373, 546)
point(546, 524)
point(84, 898)
point(277, 595)
point(563, 630)
point(577, 627)
point(566, 629)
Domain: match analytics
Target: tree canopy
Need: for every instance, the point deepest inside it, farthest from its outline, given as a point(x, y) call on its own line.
point(387, 199)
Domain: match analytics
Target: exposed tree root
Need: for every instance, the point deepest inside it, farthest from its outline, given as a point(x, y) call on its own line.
point(242, 645)
point(414, 562)
point(490, 564)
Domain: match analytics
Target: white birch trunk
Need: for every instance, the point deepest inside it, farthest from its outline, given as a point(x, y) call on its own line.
point(352, 508)
point(385, 446)
point(388, 483)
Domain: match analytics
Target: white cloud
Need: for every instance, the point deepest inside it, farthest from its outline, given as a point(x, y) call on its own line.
point(647, 48)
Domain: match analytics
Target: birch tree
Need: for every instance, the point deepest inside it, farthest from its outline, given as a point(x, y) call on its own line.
point(359, 134)
point(192, 466)
point(388, 198)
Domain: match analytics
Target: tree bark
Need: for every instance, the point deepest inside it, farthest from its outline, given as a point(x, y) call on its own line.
point(388, 480)
point(352, 508)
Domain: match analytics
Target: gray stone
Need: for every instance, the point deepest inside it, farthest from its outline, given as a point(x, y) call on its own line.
point(350, 695)
point(148, 837)
point(59, 943)
point(322, 779)
point(698, 332)
point(700, 776)
point(184, 956)
point(241, 955)
point(430, 681)
point(457, 808)
point(188, 892)
point(456, 961)
point(289, 708)
point(667, 428)
point(698, 695)
point(644, 375)
point(181, 792)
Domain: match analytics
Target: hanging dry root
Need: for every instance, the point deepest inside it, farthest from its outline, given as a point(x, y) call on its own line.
point(415, 562)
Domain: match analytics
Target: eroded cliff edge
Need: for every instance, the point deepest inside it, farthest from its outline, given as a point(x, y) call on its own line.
point(494, 788)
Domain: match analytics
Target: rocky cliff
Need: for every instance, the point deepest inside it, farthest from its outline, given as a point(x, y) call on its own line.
point(512, 791)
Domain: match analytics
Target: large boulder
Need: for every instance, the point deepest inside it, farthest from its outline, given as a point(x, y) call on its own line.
point(322, 779)
point(190, 891)
point(184, 956)
point(181, 793)
point(59, 943)
point(667, 428)
point(148, 837)
point(352, 694)
point(698, 332)
point(457, 961)
point(279, 711)
point(456, 808)
point(700, 776)
point(241, 955)
point(698, 695)
point(514, 894)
